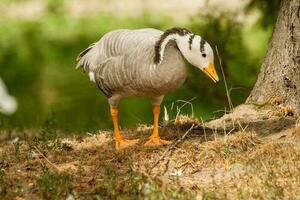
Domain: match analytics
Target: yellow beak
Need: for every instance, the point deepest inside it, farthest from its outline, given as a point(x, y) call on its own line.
point(211, 72)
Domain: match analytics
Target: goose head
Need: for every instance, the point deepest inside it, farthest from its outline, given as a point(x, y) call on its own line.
point(194, 48)
point(199, 53)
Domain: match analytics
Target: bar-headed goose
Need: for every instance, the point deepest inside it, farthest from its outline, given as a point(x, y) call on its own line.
point(147, 63)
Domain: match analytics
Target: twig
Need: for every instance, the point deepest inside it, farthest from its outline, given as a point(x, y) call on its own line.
point(241, 127)
point(217, 111)
point(185, 103)
point(225, 82)
point(172, 146)
point(184, 164)
point(263, 164)
point(215, 132)
point(54, 166)
point(41, 162)
point(203, 126)
point(166, 167)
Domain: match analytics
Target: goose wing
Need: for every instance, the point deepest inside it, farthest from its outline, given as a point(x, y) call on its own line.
point(114, 44)
point(112, 60)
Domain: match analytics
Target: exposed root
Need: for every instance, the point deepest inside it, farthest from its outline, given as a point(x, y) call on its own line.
point(255, 118)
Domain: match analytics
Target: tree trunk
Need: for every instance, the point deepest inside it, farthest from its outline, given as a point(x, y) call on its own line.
point(280, 71)
point(279, 77)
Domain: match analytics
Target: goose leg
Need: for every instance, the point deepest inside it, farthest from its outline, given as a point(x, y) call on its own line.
point(155, 140)
point(120, 141)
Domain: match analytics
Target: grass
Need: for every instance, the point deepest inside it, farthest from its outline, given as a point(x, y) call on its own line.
point(53, 185)
point(239, 166)
point(136, 186)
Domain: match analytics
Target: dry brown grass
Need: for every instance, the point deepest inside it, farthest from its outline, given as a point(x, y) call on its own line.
point(239, 166)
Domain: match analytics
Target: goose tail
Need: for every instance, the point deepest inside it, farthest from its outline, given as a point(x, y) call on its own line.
point(87, 58)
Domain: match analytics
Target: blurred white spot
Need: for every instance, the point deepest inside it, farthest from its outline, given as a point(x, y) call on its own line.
point(92, 76)
point(13, 141)
point(70, 197)
point(166, 114)
point(8, 104)
point(34, 154)
point(176, 173)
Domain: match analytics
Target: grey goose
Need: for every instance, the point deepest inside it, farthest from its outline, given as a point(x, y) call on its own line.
point(144, 63)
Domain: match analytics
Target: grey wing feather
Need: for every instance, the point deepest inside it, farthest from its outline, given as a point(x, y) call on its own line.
point(90, 58)
point(115, 43)
point(113, 59)
point(111, 76)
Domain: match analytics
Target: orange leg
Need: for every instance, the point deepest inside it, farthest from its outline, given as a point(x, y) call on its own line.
point(154, 138)
point(120, 141)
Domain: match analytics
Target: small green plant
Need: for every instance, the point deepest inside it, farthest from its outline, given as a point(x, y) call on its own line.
point(108, 187)
point(137, 186)
point(53, 185)
point(2, 183)
point(208, 194)
point(2, 176)
point(80, 169)
point(50, 122)
point(49, 130)
point(17, 150)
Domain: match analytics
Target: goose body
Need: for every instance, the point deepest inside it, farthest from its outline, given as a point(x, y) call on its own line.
point(144, 62)
point(124, 65)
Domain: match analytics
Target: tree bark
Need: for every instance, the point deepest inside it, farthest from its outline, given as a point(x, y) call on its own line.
point(280, 71)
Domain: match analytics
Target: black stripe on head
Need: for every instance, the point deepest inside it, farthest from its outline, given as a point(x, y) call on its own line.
point(172, 31)
point(191, 40)
point(202, 42)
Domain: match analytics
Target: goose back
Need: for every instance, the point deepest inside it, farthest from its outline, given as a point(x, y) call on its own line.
point(125, 64)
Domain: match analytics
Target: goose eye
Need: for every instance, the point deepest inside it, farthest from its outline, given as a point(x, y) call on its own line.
point(204, 55)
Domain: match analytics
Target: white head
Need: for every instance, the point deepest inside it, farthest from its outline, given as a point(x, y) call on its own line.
point(194, 48)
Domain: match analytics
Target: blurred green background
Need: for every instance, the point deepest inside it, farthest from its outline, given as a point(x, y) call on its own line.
point(37, 60)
